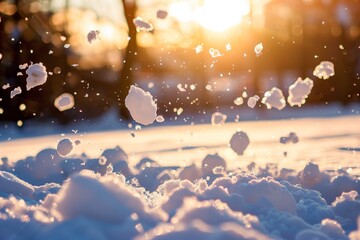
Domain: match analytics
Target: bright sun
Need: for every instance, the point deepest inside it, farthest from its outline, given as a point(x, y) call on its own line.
point(214, 15)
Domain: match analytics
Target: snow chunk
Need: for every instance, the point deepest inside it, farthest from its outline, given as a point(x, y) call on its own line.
point(239, 142)
point(141, 105)
point(37, 75)
point(274, 99)
point(291, 138)
point(6, 86)
point(65, 147)
point(161, 14)
point(218, 118)
point(299, 91)
point(251, 102)
point(64, 102)
point(199, 48)
point(181, 89)
point(212, 161)
point(93, 35)
point(215, 53)
point(324, 70)
point(23, 66)
point(15, 92)
point(228, 47)
point(142, 25)
point(238, 101)
point(258, 49)
point(159, 119)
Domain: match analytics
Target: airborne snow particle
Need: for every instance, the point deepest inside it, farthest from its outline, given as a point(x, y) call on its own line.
point(199, 49)
point(258, 49)
point(161, 14)
point(15, 92)
point(251, 102)
point(218, 118)
point(37, 75)
point(141, 105)
point(93, 35)
point(215, 53)
point(0, 56)
point(23, 66)
point(181, 89)
point(159, 119)
point(66, 45)
point(65, 147)
point(291, 138)
point(64, 102)
point(274, 99)
point(228, 47)
point(142, 25)
point(102, 160)
point(299, 91)
point(238, 101)
point(6, 86)
point(324, 70)
point(179, 111)
point(218, 170)
point(239, 142)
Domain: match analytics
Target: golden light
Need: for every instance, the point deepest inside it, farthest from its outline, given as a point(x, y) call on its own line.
point(219, 16)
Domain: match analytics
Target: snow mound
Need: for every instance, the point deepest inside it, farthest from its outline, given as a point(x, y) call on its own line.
point(239, 142)
point(324, 70)
point(141, 105)
point(274, 99)
point(64, 102)
point(251, 102)
point(15, 91)
point(93, 35)
point(299, 91)
point(65, 147)
point(291, 138)
point(218, 118)
point(142, 25)
point(37, 75)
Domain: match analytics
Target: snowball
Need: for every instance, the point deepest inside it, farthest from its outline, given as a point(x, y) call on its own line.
point(159, 119)
point(6, 86)
point(141, 105)
point(215, 53)
point(299, 91)
point(291, 138)
point(65, 147)
point(64, 102)
point(93, 35)
point(238, 101)
point(37, 75)
point(218, 118)
point(251, 102)
point(258, 49)
point(142, 25)
point(239, 142)
point(274, 99)
point(199, 49)
point(324, 70)
point(161, 14)
point(15, 92)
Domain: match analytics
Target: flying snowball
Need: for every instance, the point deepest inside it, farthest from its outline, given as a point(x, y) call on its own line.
point(64, 102)
point(141, 105)
point(251, 102)
point(324, 70)
point(93, 35)
point(299, 91)
point(218, 118)
point(65, 147)
point(37, 75)
point(142, 25)
point(239, 142)
point(274, 99)
point(15, 92)
point(291, 138)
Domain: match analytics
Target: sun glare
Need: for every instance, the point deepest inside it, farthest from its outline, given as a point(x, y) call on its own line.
point(214, 15)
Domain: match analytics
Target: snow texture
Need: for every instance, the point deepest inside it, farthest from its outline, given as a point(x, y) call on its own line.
point(64, 102)
point(37, 75)
point(299, 91)
point(274, 99)
point(324, 70)
point(141, 105)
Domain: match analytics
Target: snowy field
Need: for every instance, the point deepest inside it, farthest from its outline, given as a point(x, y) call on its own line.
point(184, 182)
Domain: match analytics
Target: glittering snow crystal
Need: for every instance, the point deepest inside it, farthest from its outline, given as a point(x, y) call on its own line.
point(93, 35)
point(214, 53)
point(142, 25)
point(15, 92)
point(299, 91)
point(141, 105)
point(258, 49)
point(65, 147)
point(64, 102)
point(218, 118)
point(239, 142)
point(274, 99)
point(324, 70)
point(37, 75)
point(251, 102)
point(291, 138)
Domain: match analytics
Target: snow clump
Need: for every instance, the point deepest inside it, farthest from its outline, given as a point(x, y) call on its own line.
point(15, 92)
point(141, 105)
point(215, 53)
point(251, 102)
point(142, 25)
point(324, 70)
point(199, 48)
point(218, 118)
point(64, 102)
point(258, 49)
point(239, 142)
point(37, 75)
point(299, 91)
point(291, 138)
point(65, 147)
point(161, 14)
point(93, 35)
point(274, 99)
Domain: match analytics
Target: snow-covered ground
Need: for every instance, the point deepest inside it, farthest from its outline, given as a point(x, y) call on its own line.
point(184, 181)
